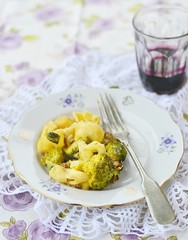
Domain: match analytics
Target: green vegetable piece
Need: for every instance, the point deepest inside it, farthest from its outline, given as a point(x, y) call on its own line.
point(185, 115)
point(116, 150)
point(53, 157)
point(53, 137)
point(71, 152)
point(100, 171)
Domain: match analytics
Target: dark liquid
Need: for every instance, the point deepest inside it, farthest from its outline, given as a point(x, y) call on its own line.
point(163, 76)
point(162, 85)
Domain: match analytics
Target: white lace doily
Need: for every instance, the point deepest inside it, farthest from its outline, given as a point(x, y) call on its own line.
point(96, 70)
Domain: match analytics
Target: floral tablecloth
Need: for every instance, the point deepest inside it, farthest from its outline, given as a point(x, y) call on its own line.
point(35, 37)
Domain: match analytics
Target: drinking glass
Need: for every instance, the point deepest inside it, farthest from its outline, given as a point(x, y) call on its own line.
point(161, 43)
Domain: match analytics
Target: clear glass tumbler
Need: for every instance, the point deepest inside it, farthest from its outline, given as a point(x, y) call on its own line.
point(161, 44)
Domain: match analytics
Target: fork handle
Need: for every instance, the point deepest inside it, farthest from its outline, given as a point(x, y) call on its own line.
point(158, 204)
point(160, 208)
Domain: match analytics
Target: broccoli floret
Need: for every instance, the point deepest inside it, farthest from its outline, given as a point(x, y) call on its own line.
point(100, 171)
point(116, 150)
point(52, 157)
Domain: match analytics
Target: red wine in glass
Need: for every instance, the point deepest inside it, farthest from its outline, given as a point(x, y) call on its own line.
point(163, 75)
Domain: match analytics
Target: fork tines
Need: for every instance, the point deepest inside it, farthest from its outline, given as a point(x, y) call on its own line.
point(110, 115)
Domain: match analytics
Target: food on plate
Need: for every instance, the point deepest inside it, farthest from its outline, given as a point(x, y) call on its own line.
point(78, 152)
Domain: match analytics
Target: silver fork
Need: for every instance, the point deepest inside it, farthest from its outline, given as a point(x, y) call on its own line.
point(158, 204)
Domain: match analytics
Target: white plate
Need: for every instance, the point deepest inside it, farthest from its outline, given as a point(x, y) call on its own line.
point(156, 138)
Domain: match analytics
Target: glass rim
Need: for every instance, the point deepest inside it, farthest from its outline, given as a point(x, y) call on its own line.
point(161, 6)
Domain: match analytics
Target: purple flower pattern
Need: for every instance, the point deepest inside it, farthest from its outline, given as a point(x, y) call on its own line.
point(17, 202)
point(49, 14)
point(37, 229)
point(167, 144)
point(21, 65)
point(32, 77)
point(100, 26)
point(14, 230)
point(72, 101)
point(129, 237)
point(52, 186)
point(18, 230)
point(10, 40)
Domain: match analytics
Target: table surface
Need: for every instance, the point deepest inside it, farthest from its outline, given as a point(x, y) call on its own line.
point(35, 37)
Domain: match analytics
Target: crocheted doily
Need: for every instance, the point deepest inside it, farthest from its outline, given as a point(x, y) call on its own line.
point(97, 69)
